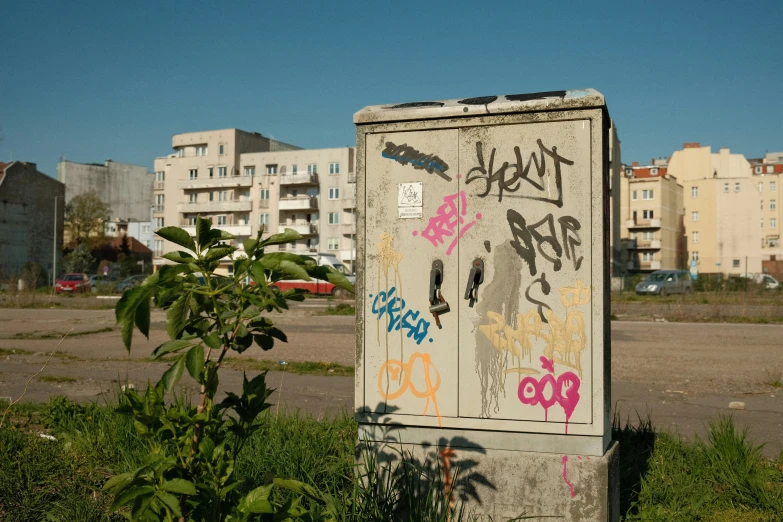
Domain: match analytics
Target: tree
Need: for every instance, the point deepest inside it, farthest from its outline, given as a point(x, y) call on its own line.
point(79, 260)
point(191, 470)
point(84, 216)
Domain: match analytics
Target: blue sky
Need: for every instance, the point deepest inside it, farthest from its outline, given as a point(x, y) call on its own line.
point(97, 80)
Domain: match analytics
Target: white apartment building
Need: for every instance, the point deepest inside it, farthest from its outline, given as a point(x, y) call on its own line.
point(243, 180)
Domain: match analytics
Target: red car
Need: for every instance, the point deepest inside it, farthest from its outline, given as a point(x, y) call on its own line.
point(70, 283)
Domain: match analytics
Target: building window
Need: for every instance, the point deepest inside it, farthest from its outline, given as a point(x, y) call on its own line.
point(192, 198)
point(221, 220)
point(648, 256)
point(250, 171)
point(212, 196)
point(694, 192)
point(294, 169)
point(695, 237)
point(312, 168)
point(633, 195)
point(334, 168)
point(159, 202)
point(264, 219)
point(761, 186)
point(773, 204)
point(334, 193)
point(759, 170)
point(773, 242)
point(648, 235)
point(772, 186)
point(271, 169)
point(695, 256)
point(264, 194)
point(221, 149)
point(159, 222)
point(725, 187)
point(735, 263)
point(223, 195)
point(211, 171)
point(762, 222)
point(770, 169)
point(201, 150)
point(334, 218)
point(193, 173)
point(773, 223)
point(160, 176)
point(145, 229)
point(694, 216)
point(647, 194)
point(762, 204)
point(333, 243)
point(736, 187)
point(158, 247)
point(647, 214)
point(221, 172)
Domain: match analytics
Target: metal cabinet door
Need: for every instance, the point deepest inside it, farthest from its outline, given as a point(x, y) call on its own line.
point(526, 343)
point(410, 364)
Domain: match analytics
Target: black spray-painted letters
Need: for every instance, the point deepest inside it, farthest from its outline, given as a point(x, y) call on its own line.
point(509, 175)
point(403, 154)
point(543, 233)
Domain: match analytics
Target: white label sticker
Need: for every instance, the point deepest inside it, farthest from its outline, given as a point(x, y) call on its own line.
point(410, 202)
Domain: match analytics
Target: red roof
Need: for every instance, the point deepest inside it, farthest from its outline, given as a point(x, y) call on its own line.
point(777, 168)
point(135, 246)
point(644, 172)
point(2, 169)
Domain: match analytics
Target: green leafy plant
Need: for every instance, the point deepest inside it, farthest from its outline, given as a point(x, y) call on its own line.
point(190, 473)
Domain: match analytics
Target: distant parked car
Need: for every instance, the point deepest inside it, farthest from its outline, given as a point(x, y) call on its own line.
point(70, 283)
point(129, 283)
point(665, 282)
point(102, 282)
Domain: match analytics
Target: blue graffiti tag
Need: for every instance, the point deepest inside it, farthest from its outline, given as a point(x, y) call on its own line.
point(388, 303)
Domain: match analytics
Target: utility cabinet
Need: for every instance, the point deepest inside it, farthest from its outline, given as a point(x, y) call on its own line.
point(482, 298)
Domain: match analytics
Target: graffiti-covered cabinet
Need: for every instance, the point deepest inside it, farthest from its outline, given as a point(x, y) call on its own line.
point(482, 290)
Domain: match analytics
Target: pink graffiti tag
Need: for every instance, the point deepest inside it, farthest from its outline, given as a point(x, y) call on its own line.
point(449, 216)
point(565, 475)
point(564, 390)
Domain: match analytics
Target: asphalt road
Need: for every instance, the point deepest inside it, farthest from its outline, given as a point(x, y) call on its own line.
point(681, 375)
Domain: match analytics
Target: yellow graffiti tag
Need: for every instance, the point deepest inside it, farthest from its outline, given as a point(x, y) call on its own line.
point(565, 337)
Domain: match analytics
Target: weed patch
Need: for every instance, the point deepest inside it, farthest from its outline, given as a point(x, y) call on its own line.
point(56, 379)
point(54, 335)
point(340, 309)
point(301, 368)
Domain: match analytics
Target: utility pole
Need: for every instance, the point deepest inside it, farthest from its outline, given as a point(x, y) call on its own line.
point(54, 246)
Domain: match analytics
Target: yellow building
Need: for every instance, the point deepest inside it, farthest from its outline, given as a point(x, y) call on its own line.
point(722, 210)
point(651, 208)
point(767, 174)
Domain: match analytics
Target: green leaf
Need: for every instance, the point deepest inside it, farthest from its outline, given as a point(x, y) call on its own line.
point(257, 273)
point(212, 340)
point(179, 486)
point(203, 226)
point(171, 502)
point(171, 377)
point(170, 346)
point(118, 481)
point(178, 236)
point(293, 270)
point(126, 309)
point(289, 235)
point(127, 496)
point(257, 501)
point(277, 333)
point(264, 341)
point(142, 316)
point(219, 252)
point(250, 245)
point(179, 257)
point(327, 273)
point(177, 315)
point(194, 360)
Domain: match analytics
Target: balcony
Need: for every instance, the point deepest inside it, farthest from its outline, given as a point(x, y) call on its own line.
point(643, 223)
point(649, 265)
point(348, 229)
point(263, 203)
point(306, 229)
point(349, 202)
point(347, 255)
point(159, 185)
point(351, 177)
point(298, 203)
point(214, 182)
point(306, 178)
point(238, 229)
point(235, 205)
point(646, 244)
point(158, 208)
point(298, 249)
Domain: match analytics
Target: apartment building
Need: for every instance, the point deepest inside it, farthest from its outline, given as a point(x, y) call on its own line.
point(767, 174)
point(243, 180)
point(651, 206)
point(722, 209)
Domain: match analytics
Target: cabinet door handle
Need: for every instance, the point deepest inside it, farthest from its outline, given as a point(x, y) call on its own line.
point(475, 278)
point(438, 304)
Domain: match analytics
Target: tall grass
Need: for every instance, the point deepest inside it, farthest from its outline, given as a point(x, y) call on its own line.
point(722, 477)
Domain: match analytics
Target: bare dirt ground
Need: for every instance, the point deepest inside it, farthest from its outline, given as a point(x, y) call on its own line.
point(681, 374)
